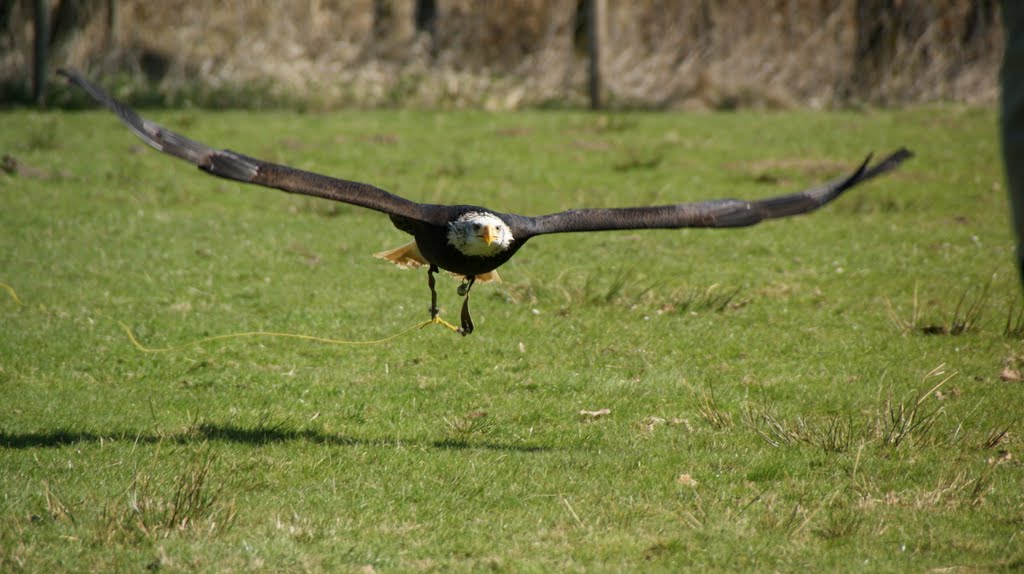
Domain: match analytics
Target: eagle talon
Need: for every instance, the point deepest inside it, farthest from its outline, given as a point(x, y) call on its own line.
point(431, 282)
point(466, 319)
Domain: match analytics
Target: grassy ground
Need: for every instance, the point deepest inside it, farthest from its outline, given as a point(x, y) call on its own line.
point(827, 392)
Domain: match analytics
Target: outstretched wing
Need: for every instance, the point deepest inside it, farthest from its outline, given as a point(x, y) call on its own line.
point(232, 165)
point(717, 213)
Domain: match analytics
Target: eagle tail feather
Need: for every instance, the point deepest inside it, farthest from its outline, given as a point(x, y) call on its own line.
point(407, 256)
point(489, 277)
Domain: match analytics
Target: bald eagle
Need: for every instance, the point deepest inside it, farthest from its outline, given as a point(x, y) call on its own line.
point(469, 241)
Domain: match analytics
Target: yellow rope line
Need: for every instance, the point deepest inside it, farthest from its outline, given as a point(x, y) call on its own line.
point(443, 323)
point(10, 290)
point(138, 345)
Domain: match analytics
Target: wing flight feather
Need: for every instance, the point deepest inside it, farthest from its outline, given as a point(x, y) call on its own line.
point(239, 167)
point(715, 213)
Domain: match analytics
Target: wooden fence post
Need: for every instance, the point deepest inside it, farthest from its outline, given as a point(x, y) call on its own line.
point(112, 15)
point(596, 33)
point(39, 54)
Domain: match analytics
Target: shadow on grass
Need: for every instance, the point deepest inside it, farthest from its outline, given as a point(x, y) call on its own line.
point(252, 436)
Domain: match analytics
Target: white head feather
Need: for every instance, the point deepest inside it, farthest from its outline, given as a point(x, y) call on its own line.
point(470, 233)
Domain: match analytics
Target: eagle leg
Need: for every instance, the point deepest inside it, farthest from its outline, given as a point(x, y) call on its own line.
point(467, 319)
point(431, 282)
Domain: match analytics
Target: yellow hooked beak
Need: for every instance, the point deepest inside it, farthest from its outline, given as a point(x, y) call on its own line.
point(490, 235)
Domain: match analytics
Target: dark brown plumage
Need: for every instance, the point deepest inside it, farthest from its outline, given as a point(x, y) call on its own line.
point(468, 240)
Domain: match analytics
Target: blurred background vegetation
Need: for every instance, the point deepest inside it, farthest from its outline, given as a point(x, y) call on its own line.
point(658, 54)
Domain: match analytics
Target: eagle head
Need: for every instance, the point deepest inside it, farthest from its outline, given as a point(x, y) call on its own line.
point(479, 234)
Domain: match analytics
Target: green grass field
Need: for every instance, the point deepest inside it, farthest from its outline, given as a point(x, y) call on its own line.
point(830, 392)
